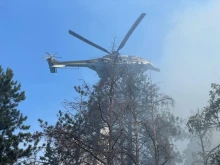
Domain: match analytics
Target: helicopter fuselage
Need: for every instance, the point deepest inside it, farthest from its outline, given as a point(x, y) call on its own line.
point(100, 64)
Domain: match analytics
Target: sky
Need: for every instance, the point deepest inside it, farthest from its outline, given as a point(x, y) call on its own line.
point(191, 54)
point(179, 37)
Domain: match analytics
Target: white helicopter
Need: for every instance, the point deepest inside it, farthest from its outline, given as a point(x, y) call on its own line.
point(100, 64)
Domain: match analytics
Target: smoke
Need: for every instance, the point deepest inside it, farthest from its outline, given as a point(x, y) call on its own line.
point(191, 56)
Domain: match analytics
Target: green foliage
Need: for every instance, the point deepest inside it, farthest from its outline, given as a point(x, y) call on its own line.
point(63, 140)
point(213, 109)
point(215, 158)
point(13, 132)
point(202, 124)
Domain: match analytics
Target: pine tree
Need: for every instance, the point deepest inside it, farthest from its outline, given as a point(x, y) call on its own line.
point(90, 132)
point(13, 133)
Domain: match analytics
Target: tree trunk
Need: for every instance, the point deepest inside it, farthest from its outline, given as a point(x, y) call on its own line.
point(137, 144)
point(130, 138)
point(203, 148)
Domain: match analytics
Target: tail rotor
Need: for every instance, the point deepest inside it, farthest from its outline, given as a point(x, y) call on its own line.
point(51, 56)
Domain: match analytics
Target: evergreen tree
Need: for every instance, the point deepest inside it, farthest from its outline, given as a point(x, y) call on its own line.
point(13, 133)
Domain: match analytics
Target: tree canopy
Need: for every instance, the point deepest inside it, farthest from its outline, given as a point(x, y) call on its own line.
point(123, 119)
point(15, 140)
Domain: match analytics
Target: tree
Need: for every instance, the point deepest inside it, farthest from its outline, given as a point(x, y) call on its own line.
point(111, 123)
point(152, 126)
point(84, 136)
point(205, 123)
point(201, 134)
point(14, 136)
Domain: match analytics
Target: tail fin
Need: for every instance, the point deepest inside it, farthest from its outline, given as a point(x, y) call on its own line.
point(53, 70)
point(51, 63)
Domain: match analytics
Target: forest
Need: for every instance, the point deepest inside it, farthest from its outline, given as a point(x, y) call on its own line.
point(122, 119)
point(98, 112)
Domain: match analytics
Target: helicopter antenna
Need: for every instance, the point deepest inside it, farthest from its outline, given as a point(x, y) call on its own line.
point(113, 45)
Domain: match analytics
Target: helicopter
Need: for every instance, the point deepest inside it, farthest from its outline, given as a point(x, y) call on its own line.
point(100, 64)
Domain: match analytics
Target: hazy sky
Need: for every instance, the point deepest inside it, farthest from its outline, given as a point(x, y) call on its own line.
point(180, 37)
point(191, 55)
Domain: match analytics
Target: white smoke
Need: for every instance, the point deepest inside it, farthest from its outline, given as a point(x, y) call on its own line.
point(191, 56)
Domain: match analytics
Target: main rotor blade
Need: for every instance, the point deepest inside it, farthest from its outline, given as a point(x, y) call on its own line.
point(131, 31)
point(45, 57)
point(88, 42)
